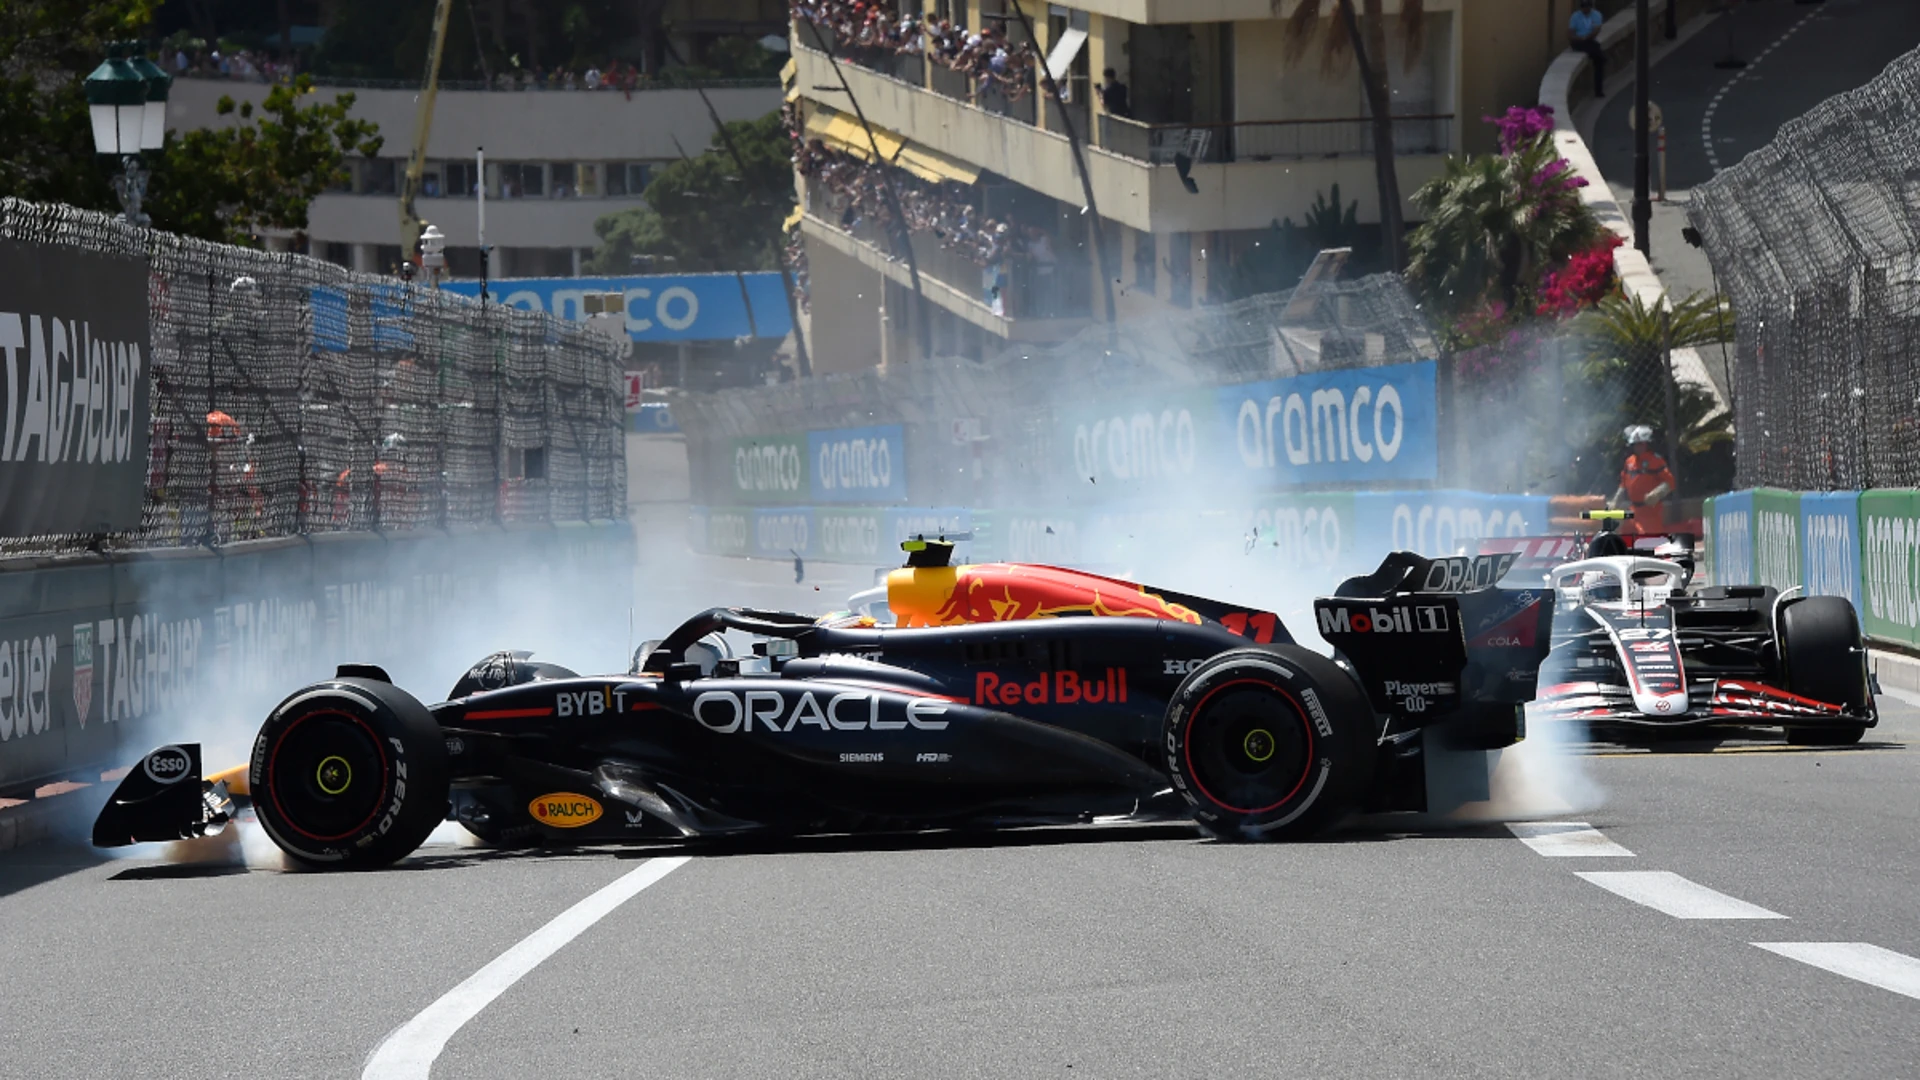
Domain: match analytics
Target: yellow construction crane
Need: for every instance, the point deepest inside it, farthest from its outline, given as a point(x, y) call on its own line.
point(410, 223)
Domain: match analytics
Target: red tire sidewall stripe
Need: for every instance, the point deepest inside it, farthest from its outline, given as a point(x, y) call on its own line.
point(386, 772)
point(1186, 745)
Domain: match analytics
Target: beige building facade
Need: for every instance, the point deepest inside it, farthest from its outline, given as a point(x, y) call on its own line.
point(1212, 83)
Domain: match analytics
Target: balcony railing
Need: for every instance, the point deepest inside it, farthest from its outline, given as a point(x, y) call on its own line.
point(1029, 290)
point(1269, 140)
point(501, 82)
point(1158, 144)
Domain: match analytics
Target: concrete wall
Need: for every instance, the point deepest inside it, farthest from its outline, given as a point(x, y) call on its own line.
point(552, 125)
point(846, 301)
point(533, 223)
point(99, 659)
point(512, 126)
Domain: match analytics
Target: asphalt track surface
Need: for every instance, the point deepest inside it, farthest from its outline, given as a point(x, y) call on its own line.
point(1385, 950)
point(1798, 55)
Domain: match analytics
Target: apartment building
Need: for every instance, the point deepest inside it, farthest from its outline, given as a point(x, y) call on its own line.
point(1227, 132)
point(556, 161)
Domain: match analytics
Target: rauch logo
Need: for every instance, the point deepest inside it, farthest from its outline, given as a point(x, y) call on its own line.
point(564, 810)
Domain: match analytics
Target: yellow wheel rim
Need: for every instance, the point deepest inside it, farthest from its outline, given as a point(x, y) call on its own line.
point(334, 774)
point(1258, 744)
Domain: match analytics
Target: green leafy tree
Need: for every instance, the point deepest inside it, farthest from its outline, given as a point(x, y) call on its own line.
point(625, 235)
point(228, 183)
point(703, 213)
point(1623, 361)
point(1492, 222)
point(47, 49)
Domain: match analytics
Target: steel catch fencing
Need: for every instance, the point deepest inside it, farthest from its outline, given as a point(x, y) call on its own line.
point(1815, 239)
point(290, 396)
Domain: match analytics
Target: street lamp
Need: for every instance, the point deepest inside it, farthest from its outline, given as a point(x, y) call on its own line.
point(127, 102)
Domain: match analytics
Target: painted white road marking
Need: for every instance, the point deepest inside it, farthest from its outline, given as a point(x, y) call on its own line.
point(408, 1051)
point(1566, 839)
point(1746, 73)
point(1664, 890)
point(1856, 960)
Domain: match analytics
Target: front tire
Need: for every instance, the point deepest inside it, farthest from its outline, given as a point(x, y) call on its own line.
point(1821, 650)
point(349, 773)
point(1273, 743)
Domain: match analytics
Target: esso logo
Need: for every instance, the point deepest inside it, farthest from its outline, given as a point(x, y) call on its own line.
point(168, 765)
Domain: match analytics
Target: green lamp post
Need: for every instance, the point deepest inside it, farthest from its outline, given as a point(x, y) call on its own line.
point(127, 102)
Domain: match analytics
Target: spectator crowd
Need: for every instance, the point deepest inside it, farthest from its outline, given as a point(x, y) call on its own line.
point(855, 191)
point(870, 29)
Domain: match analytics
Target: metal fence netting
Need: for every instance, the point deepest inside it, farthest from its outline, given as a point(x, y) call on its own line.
point(1815, 238)
point(290, 396)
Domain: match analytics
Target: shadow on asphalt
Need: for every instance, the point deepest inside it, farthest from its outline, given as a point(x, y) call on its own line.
point(1364, 830)
point(178, 871)
point(1371, 829)
point(45, 860)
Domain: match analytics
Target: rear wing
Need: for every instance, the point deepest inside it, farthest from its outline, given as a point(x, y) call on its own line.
point(1426, 634)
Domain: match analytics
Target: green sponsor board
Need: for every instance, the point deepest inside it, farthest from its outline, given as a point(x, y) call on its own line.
point(853, 535)
point(1776, 538)
point(728, 532)
point(768, 469)
point(1306, 530)
point(1158, 444)
point(1890, 564)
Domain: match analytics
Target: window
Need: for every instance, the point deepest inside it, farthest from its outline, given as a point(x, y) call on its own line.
point(565, 186)
point(386, 258)
point(430, 183)
point(589, 179)
point(338, 253)
point(628, 177)
point(463, 262)
point(377, 176)
point(460, 178)
point(522, 180)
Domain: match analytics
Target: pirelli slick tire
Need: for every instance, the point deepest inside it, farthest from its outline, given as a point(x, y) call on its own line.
point(1820, 648)
point(349, 774)
point(1273, 743)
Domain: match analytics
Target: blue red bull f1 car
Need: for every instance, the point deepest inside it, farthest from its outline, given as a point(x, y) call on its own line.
point(1005, 695)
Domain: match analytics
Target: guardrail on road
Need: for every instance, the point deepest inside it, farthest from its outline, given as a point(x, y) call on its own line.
point(1863, 545)
point(99, 656)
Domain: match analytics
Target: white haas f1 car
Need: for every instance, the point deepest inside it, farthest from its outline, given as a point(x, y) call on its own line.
point(1635, 645)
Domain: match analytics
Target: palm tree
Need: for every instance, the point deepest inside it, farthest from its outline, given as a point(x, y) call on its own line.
point(1492, 221)
point(1367, 44)
point(1624, 364)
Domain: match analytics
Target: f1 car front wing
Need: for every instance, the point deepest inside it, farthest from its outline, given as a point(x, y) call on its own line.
point(1714, 701)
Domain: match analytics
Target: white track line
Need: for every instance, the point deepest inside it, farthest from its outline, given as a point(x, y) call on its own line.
point(1663, 890)
point(1706, 118)
point(1856, 960)
point(408, 1052)
point(1566, 839)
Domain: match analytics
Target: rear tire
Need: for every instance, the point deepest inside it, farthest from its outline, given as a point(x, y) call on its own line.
point(349, 773)
point(1821, 652)
point(1273, 743)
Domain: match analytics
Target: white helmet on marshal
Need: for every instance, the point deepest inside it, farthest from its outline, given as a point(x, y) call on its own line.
point(1638, 433)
